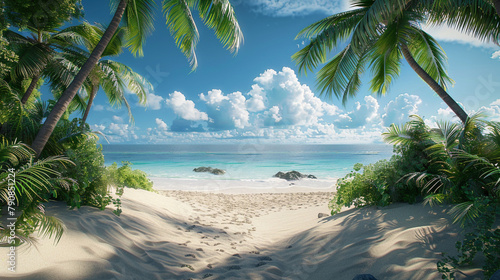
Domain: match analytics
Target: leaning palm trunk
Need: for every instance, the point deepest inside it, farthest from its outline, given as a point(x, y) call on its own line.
point(31, 88)
point(462, 115)
point(62, 104)
point(89, 104)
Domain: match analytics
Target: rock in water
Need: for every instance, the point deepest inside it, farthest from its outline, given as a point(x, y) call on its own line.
point(215, 171)
point(364, 277)
point(293, 175)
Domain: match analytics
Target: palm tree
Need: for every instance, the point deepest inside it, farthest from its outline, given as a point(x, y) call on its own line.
point(217, 15)
point(36, 52)
point(381, 33)
point(114, 77)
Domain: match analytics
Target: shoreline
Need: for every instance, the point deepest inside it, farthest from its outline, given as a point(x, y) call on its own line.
point(273, 185)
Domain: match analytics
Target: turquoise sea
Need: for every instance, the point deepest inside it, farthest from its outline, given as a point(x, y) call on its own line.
point(245, 161)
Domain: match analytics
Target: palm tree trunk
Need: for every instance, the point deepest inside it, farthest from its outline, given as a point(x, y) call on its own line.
point(29, 91)
point(462, 115)
point(89, 104)
point(62, 104)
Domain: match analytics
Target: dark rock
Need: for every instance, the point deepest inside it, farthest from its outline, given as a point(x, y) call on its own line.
point(364, 277)
point(496, 275)
point(293, 175)
point(260, 264)
point(215, 171)
point(265, 258)
point(321, 215)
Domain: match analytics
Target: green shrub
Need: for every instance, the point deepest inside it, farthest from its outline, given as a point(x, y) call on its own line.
point(89, 172)
point(125, 176)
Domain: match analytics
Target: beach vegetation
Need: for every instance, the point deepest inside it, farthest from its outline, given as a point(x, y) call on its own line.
point(125, 176)
point(25, 183)
point(454, 163)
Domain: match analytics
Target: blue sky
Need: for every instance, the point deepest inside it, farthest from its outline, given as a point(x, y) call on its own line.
point(259, 96)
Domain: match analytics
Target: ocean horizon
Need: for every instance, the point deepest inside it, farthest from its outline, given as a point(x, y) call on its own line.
point(245, 161)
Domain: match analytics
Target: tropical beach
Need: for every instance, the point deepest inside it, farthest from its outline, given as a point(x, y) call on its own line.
point(195, 235)
point(263, 139)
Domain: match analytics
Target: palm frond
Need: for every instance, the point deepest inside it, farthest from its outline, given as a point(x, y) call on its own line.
point(181, 24)
point(477, 18)
point(219, 16)
point(464, 212)
point(430, 56)
point(139, 20)
point(341, 76)
point(378, 12)
point(324, 35)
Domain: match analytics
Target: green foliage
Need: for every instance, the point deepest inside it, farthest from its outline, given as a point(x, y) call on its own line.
point(89, 172)
point(482, 238)
point(454, 163)
point(125, 176)
point(380, 183)
point(41, 15)
point(363, 189)
point(24, 185)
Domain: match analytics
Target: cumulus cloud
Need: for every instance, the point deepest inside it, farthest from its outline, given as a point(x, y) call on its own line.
point(283, 8)
point(153, 101)
point(362, 115)
point(398, 110)
point(257, 99)
point(183, 108)
point(160, 124)
point(289, 101)
point(226, 111)
point(117, 132)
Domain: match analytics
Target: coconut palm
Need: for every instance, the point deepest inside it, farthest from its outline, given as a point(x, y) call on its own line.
point(217, 15)
point(379, 33)
point(36, 51)
point(114, 77)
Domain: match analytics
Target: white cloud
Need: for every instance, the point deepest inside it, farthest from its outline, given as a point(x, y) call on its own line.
point(283, 8)
point(257, 99)
point(117, 133)
point(161, 124)
point(295, 102)
point(153, 101)
point(98, 108)
point(446, 33)
point(398, 110)
point(185, 108)
point(495, 55)
point(226, 111)
point(117, 119)
point(363, 115)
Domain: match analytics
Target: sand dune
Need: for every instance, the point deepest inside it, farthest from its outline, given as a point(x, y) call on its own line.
point(195, 235)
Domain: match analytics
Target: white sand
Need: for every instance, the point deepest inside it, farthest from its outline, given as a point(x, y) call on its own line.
point(200, 235)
